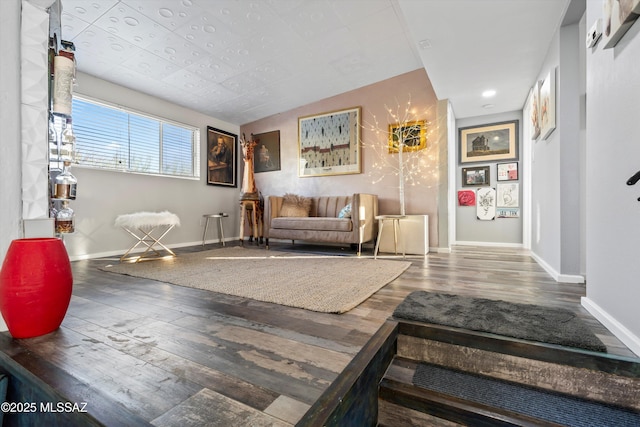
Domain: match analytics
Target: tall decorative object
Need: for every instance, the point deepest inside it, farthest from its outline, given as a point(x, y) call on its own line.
point(62, 139)
point(251, 205)
point(406, 136)
point(35, 286)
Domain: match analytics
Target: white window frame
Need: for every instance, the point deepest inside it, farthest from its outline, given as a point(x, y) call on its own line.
point(195, 141)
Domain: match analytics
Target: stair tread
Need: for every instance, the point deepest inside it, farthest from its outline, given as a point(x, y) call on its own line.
point(504, 398)
point(452, 408)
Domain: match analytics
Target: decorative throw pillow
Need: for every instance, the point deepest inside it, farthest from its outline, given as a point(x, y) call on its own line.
point(294, 205)
point(345, 212)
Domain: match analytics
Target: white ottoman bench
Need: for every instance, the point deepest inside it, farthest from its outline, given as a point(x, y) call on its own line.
point(142, 225)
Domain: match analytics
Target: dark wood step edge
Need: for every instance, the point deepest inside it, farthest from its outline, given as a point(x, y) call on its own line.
point(352, 398)
point(452, 408)
point(612, 364)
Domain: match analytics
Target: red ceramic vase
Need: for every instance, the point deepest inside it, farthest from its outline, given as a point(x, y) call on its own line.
point(35, 286)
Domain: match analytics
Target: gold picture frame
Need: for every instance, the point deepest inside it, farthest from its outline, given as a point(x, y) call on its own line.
point(413, 134)
point(329, 143)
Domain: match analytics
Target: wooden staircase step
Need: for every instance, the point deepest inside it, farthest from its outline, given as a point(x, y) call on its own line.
point(452, 408)
point(452, 398)
point(392, 415)
point(583, 374)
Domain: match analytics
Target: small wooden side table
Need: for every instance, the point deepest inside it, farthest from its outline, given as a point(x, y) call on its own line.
point(395, 219)
point(219, 216)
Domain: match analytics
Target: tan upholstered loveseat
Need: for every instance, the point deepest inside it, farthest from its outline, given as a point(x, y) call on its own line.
point(323, 223)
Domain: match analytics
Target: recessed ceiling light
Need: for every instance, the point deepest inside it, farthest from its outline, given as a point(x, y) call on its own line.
point(424, 44)
point(489, 93)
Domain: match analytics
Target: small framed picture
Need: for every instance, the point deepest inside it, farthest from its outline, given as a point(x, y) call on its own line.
point(412, 134)
point(267, 152)
point(475, 176)
point(508, 171)
point(221, 157)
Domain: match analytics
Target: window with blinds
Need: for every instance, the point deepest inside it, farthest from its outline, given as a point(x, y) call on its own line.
point(114, 138)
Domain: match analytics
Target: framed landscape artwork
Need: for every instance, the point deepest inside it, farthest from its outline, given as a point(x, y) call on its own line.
point(329, 143)
point(267, 152)
point(485, 143)
point(221, 157)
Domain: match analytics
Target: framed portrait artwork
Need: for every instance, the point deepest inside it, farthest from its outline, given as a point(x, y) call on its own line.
point(475, 176)
point(490, 142)
point(221, 157)
point(267, 152)
point(329, 143)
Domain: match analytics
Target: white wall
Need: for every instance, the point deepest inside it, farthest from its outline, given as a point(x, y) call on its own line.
point(545, 175)
point(557, 192)
point(469, 229)
point(613, 155)
point(103, 195)
point(10, 160)
point(568, 111)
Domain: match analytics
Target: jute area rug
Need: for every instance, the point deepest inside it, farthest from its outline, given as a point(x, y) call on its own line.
point(524, 321)
point(328, 284)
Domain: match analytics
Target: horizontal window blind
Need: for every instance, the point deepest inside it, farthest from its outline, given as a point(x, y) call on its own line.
point(109, 137)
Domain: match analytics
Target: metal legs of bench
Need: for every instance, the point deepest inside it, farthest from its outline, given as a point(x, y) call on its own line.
point(145, 237)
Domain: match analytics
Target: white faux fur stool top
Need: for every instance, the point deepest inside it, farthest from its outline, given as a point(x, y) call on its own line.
point(147, 219)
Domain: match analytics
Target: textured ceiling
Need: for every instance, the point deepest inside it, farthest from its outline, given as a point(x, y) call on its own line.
point(239, 60)
point(242, 60)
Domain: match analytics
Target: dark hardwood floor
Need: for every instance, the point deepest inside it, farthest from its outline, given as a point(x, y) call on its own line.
point(139, 351)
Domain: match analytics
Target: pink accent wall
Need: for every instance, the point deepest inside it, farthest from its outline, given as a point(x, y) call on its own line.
point(414, 86)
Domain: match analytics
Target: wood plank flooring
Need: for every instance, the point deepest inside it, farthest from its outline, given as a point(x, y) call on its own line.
point(175, 356)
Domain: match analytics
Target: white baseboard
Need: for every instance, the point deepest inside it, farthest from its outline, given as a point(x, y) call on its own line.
point(615, 327)
point(118, 253)
point(489, 244)
point(558, 277)
point(441, 250)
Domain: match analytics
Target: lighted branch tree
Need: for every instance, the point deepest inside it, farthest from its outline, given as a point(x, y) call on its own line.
point(400, 148)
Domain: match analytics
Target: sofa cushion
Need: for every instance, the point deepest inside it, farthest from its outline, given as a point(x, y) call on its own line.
point(295, 206)
point(345, 212)
point(312, 223)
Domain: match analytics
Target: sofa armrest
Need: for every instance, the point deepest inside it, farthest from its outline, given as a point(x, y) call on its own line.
point(364, 209)
point(271, 210)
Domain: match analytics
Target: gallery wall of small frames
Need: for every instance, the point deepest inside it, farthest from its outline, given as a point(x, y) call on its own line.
point(501, 201)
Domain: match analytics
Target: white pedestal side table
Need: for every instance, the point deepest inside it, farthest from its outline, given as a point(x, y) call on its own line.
point(395, 220)
point(219, 216)
point(414, 234)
